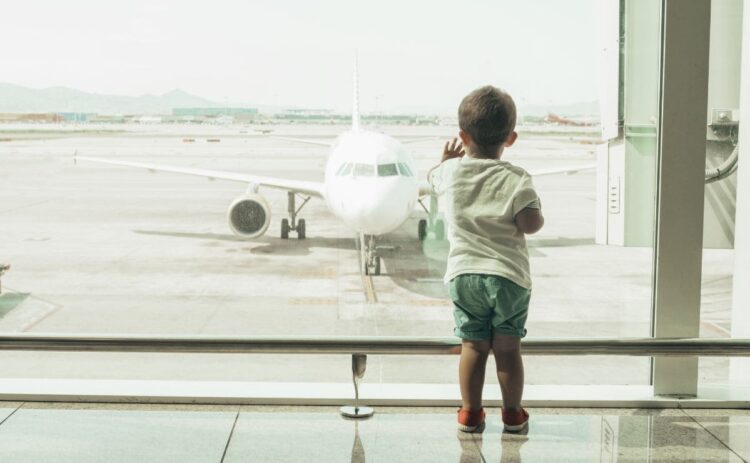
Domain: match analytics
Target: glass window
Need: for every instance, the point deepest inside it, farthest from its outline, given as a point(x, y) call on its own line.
point(136, 253)
point(346, 169)
point(405, 171)
point(726, 203)
point(387, 170)
point(364, 170)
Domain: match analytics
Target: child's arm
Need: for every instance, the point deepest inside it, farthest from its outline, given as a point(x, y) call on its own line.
point(450, 151)
point(530, 220)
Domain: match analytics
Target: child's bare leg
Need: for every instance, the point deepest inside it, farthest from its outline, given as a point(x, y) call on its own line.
point(507, 350)
point(471, 370)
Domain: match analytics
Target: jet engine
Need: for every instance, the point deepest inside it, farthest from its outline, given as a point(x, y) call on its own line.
point(249, 215)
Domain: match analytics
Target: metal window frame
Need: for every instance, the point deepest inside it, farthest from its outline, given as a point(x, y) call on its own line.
point(678, 250)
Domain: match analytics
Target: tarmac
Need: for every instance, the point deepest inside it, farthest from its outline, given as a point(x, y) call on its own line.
point(102, 249)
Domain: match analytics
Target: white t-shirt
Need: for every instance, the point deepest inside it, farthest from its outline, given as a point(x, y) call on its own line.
point(480, 199)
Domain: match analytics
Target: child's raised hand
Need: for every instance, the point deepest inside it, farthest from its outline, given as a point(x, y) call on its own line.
point(452, 150)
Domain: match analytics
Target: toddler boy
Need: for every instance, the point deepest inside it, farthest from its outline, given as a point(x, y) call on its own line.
point(489, 205)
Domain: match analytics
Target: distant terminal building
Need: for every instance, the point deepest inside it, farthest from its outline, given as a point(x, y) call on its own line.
point(109, 119)
point(148, 119)
point(76, 117)
point(31, 117)
point(224, 115)
point(400, 119)
point(308, 112)
point(328, 116)
point(214, 112)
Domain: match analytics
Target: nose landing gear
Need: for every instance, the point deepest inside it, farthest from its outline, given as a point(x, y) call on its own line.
point(371, 261)
point(292, 224)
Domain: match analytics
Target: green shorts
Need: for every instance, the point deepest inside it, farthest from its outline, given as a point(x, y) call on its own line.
point(488, 305)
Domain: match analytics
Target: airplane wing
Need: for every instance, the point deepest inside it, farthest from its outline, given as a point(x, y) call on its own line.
point(561, 170)
point(298, 186)
point(304, 140)
point(425, 189)
point(412, 141)
point(329, 143)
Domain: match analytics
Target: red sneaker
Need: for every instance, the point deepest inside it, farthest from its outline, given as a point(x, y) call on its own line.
point(471, 421)
point(515, 420)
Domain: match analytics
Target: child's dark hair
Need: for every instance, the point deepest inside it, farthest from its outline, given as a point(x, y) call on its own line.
point(488, 115)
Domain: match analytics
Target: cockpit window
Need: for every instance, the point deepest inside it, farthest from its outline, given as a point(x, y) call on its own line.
point(364, 170)
point(387, 170)
point(345, 169)
point(405, 171)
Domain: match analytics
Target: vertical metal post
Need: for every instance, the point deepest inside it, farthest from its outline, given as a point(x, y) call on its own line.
point(740, 368)
point(682, 147)
point(292, 207)
point(359, 364)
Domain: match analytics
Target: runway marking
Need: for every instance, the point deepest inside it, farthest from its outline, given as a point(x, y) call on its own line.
point(369, 288)
point(28, 314)
point(325, 272)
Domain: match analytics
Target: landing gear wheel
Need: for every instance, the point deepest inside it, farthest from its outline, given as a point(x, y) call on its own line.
point(439, 230)
point(285, 229)
point(301, 229)
point(373, 268)
point(422, 229)
point(370, 257)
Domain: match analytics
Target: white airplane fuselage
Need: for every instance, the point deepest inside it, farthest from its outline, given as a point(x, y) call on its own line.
point(370, 182)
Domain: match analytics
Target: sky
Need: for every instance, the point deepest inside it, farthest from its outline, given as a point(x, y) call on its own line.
point(415, 54)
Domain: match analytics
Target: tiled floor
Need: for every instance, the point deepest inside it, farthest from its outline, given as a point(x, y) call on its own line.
point(52, 432)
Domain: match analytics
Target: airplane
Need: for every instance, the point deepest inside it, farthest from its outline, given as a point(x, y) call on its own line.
point(370, 184)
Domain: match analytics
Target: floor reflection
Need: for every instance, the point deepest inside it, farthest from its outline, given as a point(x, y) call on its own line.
point(358, 450)
point(635, 435)
point(75, 433)
point(470, 444)
point(511, 444)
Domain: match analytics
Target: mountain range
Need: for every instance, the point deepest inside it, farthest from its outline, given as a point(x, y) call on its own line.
point(20, 99)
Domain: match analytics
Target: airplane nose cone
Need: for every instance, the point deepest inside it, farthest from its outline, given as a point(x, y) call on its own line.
point(380, 211)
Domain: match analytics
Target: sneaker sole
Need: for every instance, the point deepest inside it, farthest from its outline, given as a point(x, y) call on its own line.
point(516, 427)
point(471, 429)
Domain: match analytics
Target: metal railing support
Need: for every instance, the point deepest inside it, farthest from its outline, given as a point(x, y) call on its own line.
point(359, 364)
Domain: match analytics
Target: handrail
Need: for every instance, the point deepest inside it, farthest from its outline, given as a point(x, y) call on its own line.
point(376, 345)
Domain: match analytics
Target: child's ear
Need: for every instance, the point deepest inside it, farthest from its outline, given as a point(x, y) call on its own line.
point(511, 139)
point(465, 137)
